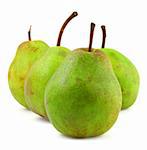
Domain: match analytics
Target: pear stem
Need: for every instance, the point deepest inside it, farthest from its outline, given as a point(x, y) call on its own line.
point(29, 33)
point(104, 35)
point(74, 14)
point(92, 27)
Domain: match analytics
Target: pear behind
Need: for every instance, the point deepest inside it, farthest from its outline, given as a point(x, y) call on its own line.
point(38, 76)
point(27, 53)
point(126, 74)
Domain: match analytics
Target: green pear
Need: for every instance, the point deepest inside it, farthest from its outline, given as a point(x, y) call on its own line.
point(125, 72)
point(27, 53)
point(41, 71)
point(83, 97)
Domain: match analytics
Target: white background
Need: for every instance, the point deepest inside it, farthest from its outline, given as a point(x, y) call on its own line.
point(126, 22)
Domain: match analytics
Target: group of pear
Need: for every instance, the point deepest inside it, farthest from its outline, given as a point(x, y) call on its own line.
point(81, 92)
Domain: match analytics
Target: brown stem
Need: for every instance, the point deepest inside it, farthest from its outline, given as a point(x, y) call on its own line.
point(91, 36)
point(74, 14)
point(104, 35)
point(29, 33)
